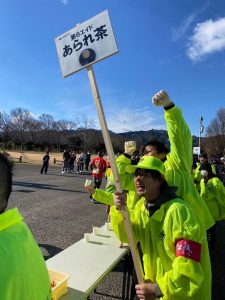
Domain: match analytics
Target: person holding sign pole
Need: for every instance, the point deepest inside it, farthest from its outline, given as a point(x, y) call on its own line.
point(174, 244)
point(178, 161)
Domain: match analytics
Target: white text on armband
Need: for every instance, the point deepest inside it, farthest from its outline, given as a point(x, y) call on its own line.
point(189, 249)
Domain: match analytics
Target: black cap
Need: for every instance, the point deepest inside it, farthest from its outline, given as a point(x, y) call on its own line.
point(203, 155)
point(207, 167)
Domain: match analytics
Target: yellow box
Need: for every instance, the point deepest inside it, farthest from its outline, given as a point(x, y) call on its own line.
point(61, 281)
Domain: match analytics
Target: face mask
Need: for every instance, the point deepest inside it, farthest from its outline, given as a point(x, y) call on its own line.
point(204, 173)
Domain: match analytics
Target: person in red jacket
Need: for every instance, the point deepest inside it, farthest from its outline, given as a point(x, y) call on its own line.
point(98, 167)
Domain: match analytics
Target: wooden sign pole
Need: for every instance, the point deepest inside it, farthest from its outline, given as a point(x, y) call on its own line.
point(109, 149)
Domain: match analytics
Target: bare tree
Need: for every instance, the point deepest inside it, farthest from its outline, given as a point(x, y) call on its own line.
point(5, 129)
point(65, 125)
point(214, 143)
point(85, 125)
point(20, 119)
point(47, 121)
point(34, 127)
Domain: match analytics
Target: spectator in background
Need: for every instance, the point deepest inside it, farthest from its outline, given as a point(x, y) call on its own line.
point(81, 158)
point(87, 159)
point(108, 170)
point(98, 167)
point(222, 170)
point(45, 165)
point(215, 163)
point(212, 192)
point(66, 156)
point(71, 162)
point(203, 158)
point(23, 271)
point(135, 158)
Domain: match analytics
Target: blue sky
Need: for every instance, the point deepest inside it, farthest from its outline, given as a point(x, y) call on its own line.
point(175, 45)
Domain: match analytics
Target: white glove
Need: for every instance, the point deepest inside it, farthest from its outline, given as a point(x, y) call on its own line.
point(161, 99)
point(130, 147)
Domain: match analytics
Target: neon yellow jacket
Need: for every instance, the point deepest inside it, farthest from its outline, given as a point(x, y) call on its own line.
point(179, 164)
point(178, 277)
point(107, 198)
point(23, 271)
point(178, 167)
point(196, 174)
point(126, 179)
point(213, 192)
point(127, 182)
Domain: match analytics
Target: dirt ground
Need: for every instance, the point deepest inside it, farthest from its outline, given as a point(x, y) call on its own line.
point(35, 158)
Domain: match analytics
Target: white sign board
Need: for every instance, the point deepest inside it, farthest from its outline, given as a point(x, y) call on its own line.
point(196, 150)
point(85, 44)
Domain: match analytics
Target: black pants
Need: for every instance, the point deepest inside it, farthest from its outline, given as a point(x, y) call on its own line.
point(86, 165)
point(211, 237)
point(133, 274)
point(97, 182)
point(44, 168)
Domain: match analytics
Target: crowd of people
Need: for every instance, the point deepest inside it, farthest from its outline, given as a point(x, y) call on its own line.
point(173, 218)
point(174, 207)
point(70, 160)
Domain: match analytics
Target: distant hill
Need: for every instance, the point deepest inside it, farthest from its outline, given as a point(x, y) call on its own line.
point(81, 139)
point(141, 137)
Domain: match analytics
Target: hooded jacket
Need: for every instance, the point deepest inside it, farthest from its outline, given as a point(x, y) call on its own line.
point(174, 246)
point(178, 165)
point(213, 193)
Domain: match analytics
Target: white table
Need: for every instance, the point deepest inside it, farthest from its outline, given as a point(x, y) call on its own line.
point(88, 264)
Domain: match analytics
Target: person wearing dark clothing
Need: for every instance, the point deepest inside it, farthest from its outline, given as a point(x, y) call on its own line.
point(87, 159)
point(46, 158)
point(81, 159)
point(71, 162)
point(66, 156)
point(222, 170)
point(98, 167)
point(212, 192)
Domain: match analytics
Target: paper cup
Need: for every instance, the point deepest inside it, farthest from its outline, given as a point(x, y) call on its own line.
point(107, 226)
point(88, 182)
point(95, 230)
point(86, 237)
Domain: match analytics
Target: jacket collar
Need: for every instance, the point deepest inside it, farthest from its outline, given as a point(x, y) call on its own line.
point(10, 218)
point(165, 196)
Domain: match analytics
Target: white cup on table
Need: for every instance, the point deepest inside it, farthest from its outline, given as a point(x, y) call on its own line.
point(86, 237)
point(95, 230)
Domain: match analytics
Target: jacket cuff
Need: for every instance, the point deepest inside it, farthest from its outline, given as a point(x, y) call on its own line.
point(157, 290)
point(169, 107)
point(127, 155)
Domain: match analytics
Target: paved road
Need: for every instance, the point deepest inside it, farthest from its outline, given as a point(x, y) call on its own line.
point(58, 212)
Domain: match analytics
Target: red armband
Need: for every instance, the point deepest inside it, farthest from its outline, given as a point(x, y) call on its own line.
point(189, 249)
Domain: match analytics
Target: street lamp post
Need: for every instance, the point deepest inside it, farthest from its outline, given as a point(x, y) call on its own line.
point(201, 128)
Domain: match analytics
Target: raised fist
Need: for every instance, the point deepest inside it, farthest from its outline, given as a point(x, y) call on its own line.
point(161, 99)
point(130, 147)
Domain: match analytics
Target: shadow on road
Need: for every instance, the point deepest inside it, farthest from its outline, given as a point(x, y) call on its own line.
point(51, 250)
point(43, 186)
